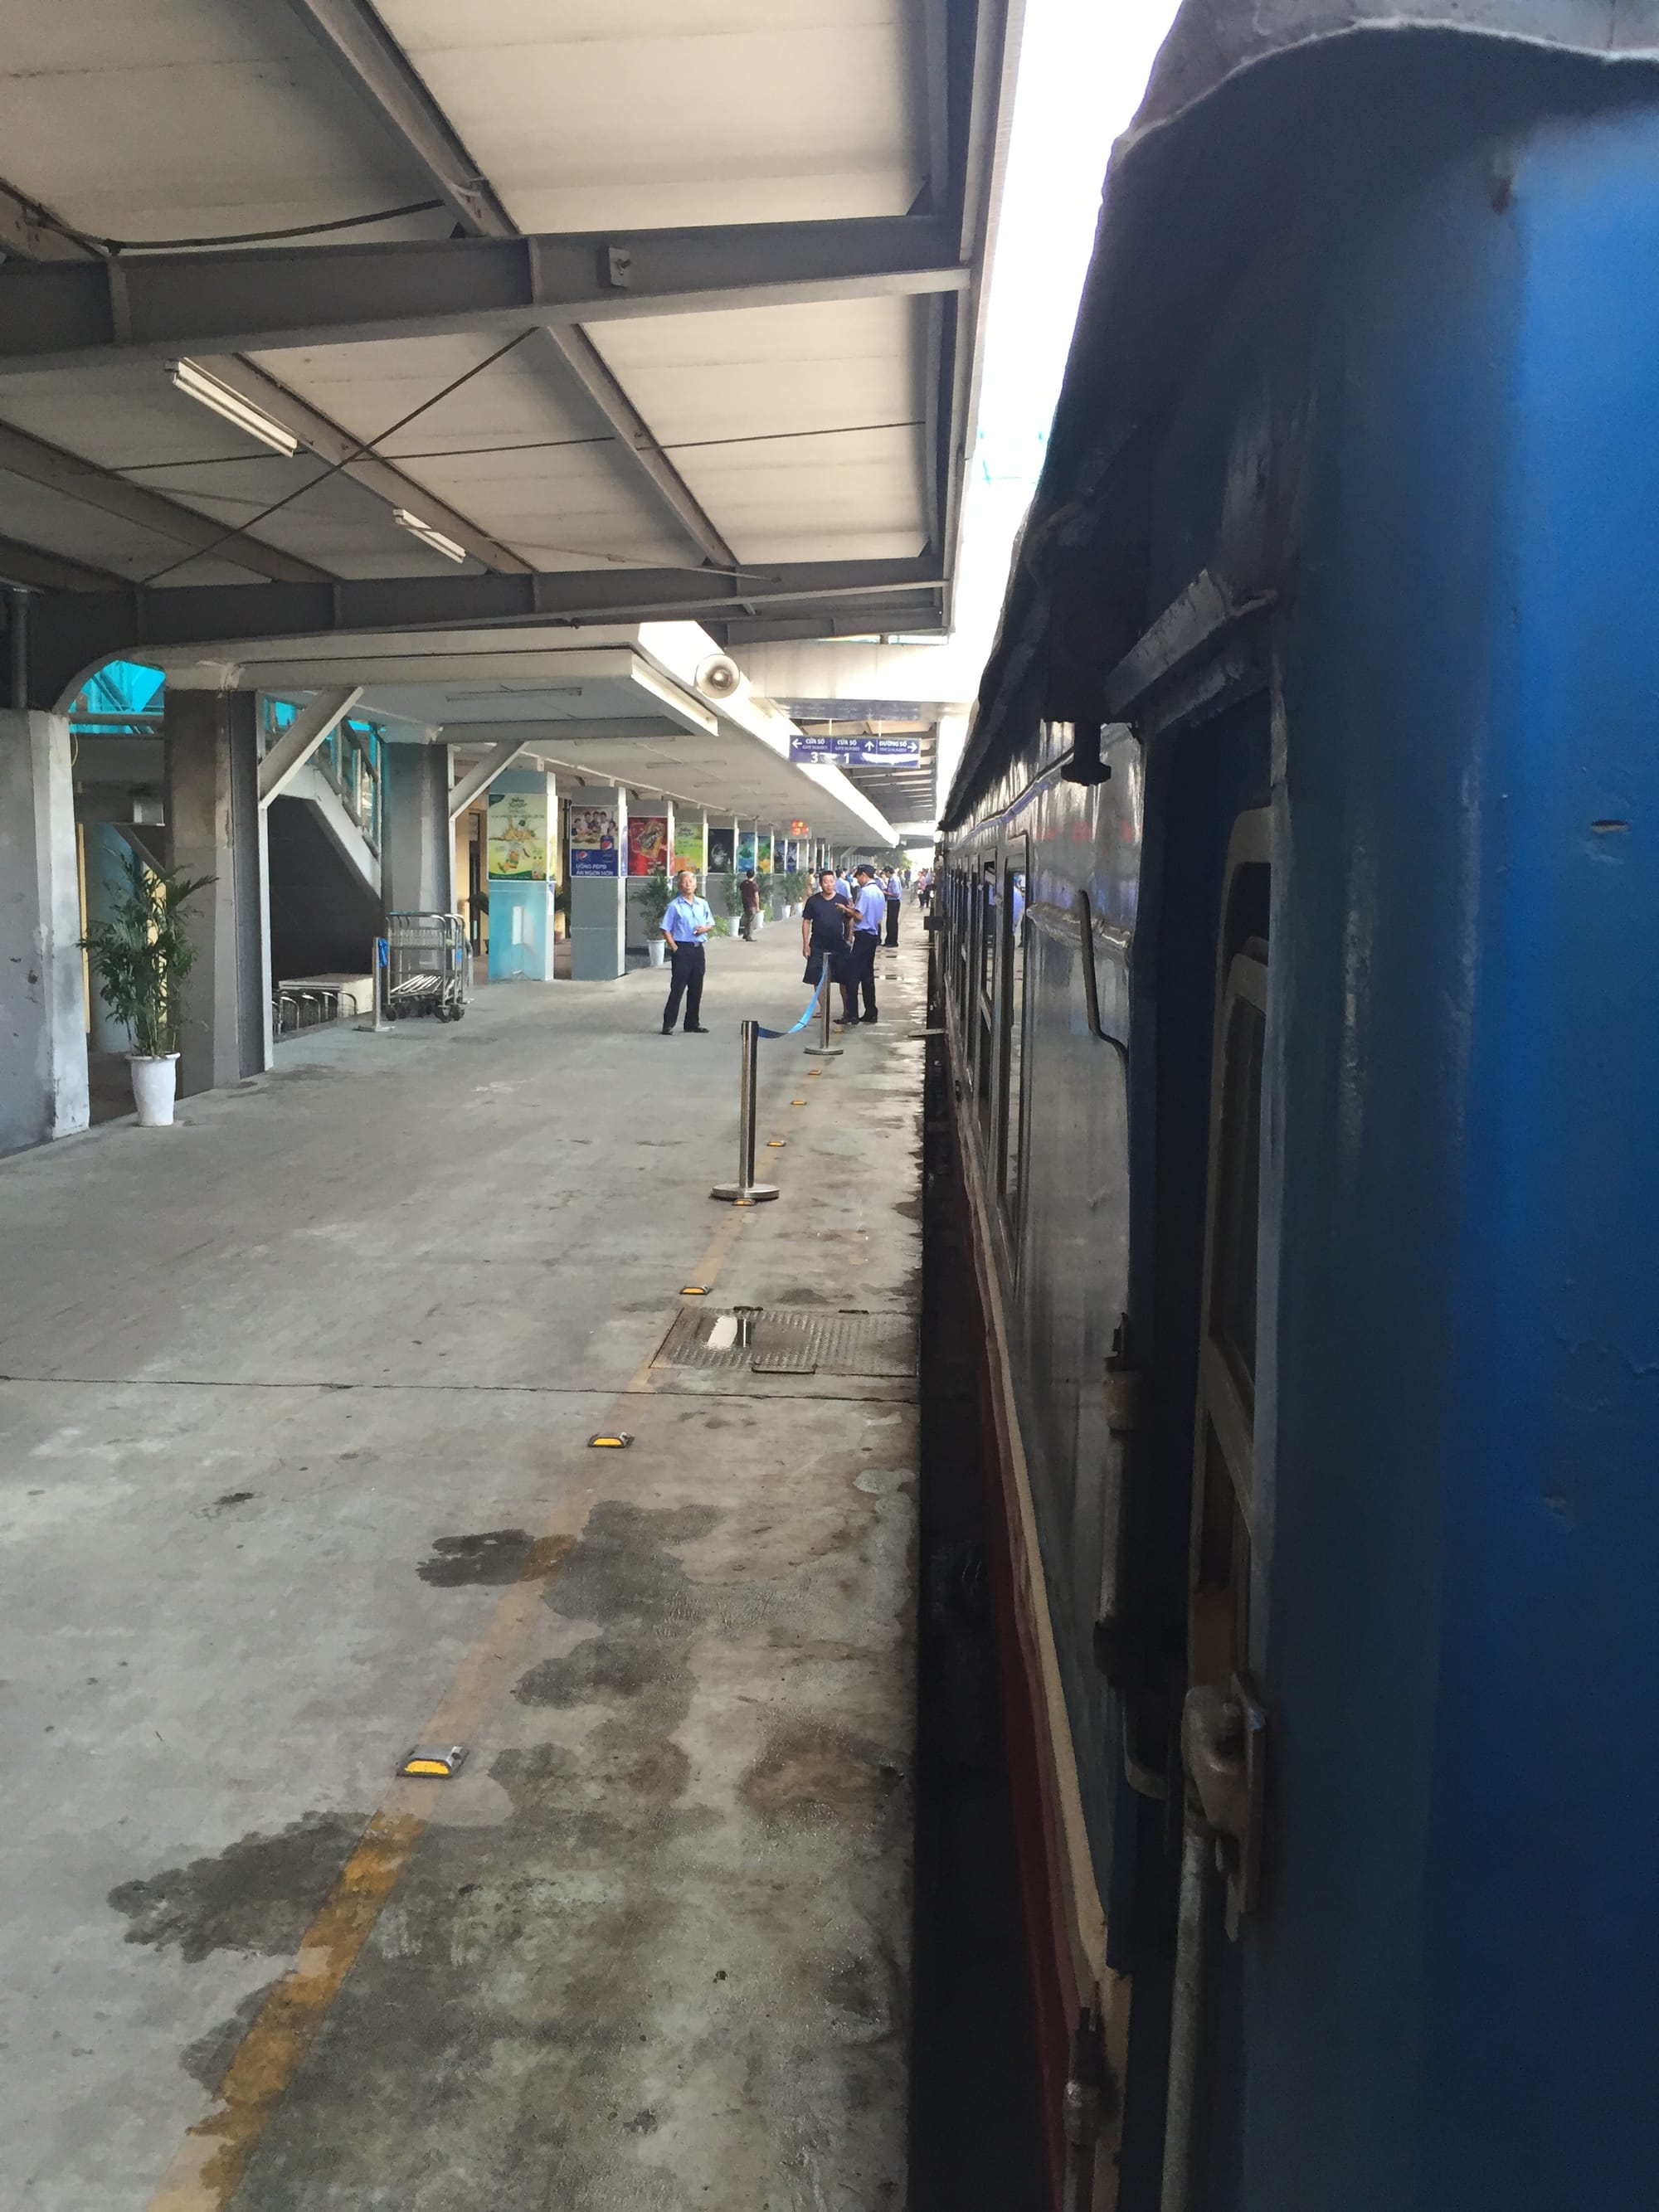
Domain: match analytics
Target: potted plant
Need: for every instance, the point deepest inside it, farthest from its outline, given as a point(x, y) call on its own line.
point(141, 954)
point(654, 902)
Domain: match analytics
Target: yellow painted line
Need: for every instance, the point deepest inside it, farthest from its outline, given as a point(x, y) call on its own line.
point(209, 2166)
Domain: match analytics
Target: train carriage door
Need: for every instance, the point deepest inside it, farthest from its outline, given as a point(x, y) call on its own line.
point(984, 989)
point(1222, 1734)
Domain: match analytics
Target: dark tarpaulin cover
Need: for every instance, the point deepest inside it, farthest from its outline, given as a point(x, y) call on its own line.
point(1233, 80)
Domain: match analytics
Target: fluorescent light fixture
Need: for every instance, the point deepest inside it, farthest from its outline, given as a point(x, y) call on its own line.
point(196, 384)
point(427, 535)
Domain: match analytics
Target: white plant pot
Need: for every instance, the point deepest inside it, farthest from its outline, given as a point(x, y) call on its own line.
point(154, 1083)
point(657, 950)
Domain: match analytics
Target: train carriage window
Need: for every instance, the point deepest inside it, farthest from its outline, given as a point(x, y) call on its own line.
point(1014, 902)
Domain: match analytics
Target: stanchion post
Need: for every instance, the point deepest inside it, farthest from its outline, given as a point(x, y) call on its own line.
point(745, 1191)
point(379, 963)
point(824, 1049)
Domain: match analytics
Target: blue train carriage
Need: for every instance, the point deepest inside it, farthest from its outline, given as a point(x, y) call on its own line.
point(1298, 941)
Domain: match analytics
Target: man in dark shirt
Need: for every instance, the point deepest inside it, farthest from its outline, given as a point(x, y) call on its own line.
point(824, 935)
point(748, 891)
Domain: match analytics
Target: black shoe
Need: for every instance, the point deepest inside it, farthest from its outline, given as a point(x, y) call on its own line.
point(668, 1028)
point(696, 1029)
point(869, 1017)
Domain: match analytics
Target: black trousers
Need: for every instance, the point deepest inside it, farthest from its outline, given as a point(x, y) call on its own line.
point(893, 906)
point(689, 963)
point(864, 973)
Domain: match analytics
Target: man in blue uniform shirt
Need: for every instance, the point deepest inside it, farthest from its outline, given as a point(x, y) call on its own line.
point(869, 917)
point(685, 925)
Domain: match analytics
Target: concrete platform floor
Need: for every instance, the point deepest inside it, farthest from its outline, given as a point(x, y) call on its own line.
point(294, 1473)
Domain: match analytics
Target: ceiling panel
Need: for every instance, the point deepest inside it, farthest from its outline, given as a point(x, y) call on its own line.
point(185, 117)
point(670, 111)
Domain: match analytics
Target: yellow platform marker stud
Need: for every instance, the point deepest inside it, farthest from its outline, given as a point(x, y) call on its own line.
point(617, 1440)
point(440, 1762)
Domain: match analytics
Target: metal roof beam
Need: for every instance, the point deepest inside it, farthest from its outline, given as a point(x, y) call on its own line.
point(38, 463)
point(159, 306)
point(72, 632)
point(38, 570)
point(359, 47)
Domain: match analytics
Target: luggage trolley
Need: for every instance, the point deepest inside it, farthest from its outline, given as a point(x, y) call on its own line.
point(428, 966)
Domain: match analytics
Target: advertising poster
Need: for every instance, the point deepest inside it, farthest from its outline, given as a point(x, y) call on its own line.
point(763, 855)
point(719, 853)
point(516, 834)
point(593, 841)
point(648, 844)
point(746, 852)
point(690, 835)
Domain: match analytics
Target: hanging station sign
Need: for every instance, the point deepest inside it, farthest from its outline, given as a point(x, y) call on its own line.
point(856, 752)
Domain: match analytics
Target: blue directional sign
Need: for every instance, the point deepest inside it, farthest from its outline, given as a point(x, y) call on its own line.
point(856, 752)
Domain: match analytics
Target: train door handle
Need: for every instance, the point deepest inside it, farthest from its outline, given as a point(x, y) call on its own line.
point(1223, 1743)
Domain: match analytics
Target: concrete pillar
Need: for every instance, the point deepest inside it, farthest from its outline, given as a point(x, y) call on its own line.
point(690, 842)
point(522, 830)
point(643, 914)
point(417, 844)
point(215, 828)
point(598, 884)
point(43, 1043)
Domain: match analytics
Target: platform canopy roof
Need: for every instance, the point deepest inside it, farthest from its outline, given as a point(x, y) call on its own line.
point(657, 309)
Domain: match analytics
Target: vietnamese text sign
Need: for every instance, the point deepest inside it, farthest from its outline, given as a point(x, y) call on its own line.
point(856, 752)
point(593, 841)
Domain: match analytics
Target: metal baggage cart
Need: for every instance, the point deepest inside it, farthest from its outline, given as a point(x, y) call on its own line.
point(428, 966)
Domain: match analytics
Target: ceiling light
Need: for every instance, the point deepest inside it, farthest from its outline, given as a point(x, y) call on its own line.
point(427, 535)
point(196, 384)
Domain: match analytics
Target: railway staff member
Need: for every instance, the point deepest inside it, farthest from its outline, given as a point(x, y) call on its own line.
point(685, 925)
point(893, 889)
point(869, 913)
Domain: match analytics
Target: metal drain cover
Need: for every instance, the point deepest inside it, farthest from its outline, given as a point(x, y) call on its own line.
point(793, 1341)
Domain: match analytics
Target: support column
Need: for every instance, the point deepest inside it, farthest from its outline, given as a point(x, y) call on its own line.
point(417, 845)
point(650, 852)
point(599, 883)
point(215, 827)
point(520, 834)
point(43, 1043)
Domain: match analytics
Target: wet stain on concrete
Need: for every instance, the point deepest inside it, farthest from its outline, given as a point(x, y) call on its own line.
point(494, 1557)
point(223, 1504)
point(516, 1960)
point(814, 1771)
point(258, 1895)
point(207, 2059)
point(605, 1670)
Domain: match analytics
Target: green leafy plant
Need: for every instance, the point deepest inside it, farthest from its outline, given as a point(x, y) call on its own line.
point(794, 885)
point(143, 952)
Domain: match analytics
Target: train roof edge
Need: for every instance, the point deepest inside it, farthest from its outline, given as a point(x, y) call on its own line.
point(1225, 90)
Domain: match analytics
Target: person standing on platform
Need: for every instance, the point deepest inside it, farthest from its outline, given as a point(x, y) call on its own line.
point(893, 889)
point(749, 892)
point(843, 889)
point(869, 913)
point(685, 925)
point(823, 938)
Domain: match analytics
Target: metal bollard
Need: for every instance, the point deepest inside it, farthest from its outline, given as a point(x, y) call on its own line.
point(746, 1191)
point(824, 1049)
point(377, 967)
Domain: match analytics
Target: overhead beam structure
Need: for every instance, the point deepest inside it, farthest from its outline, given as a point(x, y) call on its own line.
point(72, 632)
point(479, 778)
point(297, 743)
point(360, 47)
point(159, 306)
point(50, 466)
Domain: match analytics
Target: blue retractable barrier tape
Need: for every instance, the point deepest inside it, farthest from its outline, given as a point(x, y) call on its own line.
point(823, 985)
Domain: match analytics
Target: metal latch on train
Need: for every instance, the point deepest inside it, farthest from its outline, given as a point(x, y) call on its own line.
point(1223, 1743)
